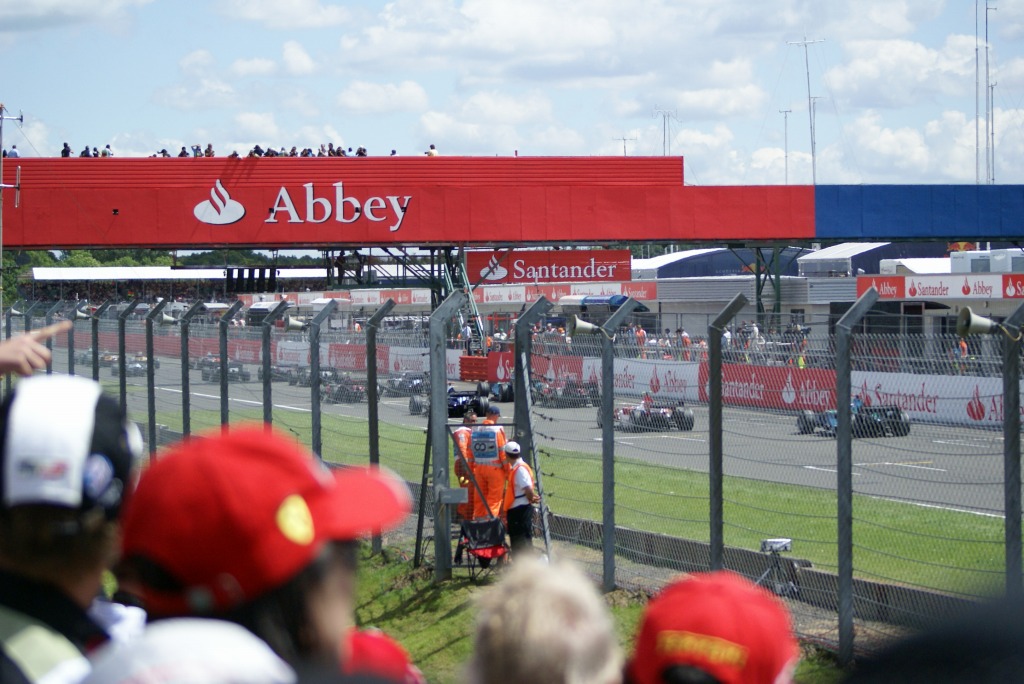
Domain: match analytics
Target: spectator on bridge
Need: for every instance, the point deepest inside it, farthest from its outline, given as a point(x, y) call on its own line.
point(714, 627)
point(106, 152)
point(544, 624)
point(13, 154)
point(65, 151)
point(85, 152)
point(432, 152)
point(208, 152)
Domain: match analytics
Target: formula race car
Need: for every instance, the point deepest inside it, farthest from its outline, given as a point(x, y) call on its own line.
point(342, 390)
point(459, 403)
point(867, 421)
point(406, 384)
point(236, 373)
point(133, 368)
point(569, 393)
point(648, 415)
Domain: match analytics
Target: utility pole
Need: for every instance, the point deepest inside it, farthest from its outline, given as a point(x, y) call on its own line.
point(810, 112)
point(785, 125)
point(666, 130)
point(977, 102)
point(988, 106)
point(992, 131)
point(624, 140)
point(3, 186)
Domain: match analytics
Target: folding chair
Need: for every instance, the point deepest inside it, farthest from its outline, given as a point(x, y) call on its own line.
point(483, 544)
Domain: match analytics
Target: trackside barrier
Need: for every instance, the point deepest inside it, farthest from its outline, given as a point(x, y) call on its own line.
point(931, 510)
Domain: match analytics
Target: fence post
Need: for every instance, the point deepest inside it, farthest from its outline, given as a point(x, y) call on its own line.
point(184, 328)
point(608, 441)
point(222, 348)
point(100, 310)
point(49, 340)
point(315, 381)
point(372, 398)
point(78, 313)
point(844, 469)
point(267, 325)
point(8, 315)
point(438, 424)
point(1011, 451)
point(122, 324)
point(523, 348)
point(715, 470)
point(154, 314)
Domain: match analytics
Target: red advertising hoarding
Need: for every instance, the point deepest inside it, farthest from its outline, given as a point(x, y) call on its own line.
point(301, 202)
point(774, 387)
point(502, 267)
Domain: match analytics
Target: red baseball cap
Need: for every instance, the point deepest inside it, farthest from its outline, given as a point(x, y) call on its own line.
point(232, 515)
point(372, 652)
point(718, 622)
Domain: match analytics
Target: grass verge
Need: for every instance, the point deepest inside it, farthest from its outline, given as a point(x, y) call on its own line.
point(435, 621)
point(944, 550)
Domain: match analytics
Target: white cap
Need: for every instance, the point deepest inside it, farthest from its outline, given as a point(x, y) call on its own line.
point(512, 448)
point(186, 650)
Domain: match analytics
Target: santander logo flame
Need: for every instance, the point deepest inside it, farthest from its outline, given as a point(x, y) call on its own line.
point(966, 289)
point(493, 270)
point(655, 383)
point(220, 209)
point(976, 407)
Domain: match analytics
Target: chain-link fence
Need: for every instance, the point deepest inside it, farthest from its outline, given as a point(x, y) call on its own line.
point(656, 477)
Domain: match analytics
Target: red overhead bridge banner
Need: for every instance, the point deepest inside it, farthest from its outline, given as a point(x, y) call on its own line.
point(311, 202)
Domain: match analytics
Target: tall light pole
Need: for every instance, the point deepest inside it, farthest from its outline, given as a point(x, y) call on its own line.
point(3, 186)
point(977, 102)
point(785, 151)
point(989, 164)
point(666, 129)
point(810, 109)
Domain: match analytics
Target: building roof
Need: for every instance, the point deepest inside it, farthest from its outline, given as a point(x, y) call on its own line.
point(844, 250)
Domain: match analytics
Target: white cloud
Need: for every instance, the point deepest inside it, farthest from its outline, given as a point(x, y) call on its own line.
point(44, 14)
point(503, 108)
point(296, 60)
point(287, 14)
point(718, 103)
point(258, 126)
point(894, 73)
point(383, 98)
point(256, 66)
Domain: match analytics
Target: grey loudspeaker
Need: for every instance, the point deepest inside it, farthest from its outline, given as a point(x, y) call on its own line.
point(970, 323)
point(81, 315)
point(167, 319)
point(294, 324)
point(575, 326)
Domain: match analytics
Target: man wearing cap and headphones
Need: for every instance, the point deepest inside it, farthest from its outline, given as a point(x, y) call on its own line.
point(67, 457)
point(520, 497)
point(489, 465)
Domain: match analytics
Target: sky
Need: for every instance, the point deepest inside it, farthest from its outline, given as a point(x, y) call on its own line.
point(893, 81)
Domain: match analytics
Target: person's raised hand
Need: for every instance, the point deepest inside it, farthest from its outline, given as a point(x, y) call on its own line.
point(26, 353)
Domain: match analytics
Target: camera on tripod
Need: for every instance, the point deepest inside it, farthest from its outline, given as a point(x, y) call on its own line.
point(779, 545)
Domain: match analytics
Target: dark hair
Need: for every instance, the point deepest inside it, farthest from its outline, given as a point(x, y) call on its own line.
point(686, 674)
point(279, 617)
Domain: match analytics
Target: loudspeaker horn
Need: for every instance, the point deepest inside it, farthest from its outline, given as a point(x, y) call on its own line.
point(970, 323)
point(167, 319)
point(294, 324)
point(81, 315)
point(15, 312)
point(574, 326)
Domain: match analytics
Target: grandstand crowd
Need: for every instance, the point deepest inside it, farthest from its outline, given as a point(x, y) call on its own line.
point(325, 150)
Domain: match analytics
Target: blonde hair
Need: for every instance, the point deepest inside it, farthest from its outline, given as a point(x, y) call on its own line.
point(544, 624)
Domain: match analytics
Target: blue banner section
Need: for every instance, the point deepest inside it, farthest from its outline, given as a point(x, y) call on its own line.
point(919, 212)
